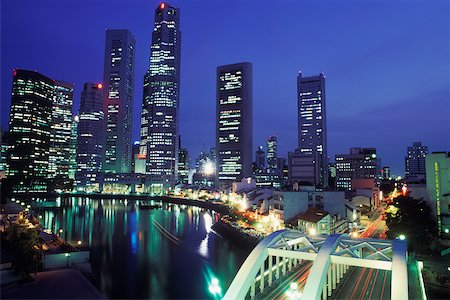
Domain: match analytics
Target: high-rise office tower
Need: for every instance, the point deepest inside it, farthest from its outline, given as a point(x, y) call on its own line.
point(90, 138)
point(73, 147)
point(438, 189)
point(312, 129)
point(260, 159)
point(30, 127)
point(118, 78)
point(415, 160)
point(272, 154)
point(159, 122)
point(361, 163)
point(234, 122)
point(183, 165)
point(61, 133)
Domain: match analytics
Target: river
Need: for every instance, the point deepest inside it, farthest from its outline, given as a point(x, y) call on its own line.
point(168, 252)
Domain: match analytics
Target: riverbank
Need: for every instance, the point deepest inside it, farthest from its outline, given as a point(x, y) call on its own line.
point(235, 236)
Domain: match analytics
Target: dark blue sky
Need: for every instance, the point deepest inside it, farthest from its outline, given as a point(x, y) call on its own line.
point(387, 63)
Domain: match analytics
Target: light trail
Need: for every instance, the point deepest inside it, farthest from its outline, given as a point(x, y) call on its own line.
point(166, 233)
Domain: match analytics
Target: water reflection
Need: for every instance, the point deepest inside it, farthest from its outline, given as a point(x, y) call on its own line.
point(145, 253)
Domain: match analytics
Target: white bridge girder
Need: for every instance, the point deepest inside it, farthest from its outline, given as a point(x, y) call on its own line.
point(332, 255)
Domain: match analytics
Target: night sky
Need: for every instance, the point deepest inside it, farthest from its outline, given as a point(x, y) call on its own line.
point(387, 63)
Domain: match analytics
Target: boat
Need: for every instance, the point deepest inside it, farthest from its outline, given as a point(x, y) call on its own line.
point(149, 206)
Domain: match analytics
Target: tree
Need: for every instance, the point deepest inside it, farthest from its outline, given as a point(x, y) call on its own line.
point(412, 218)
point(23, 243)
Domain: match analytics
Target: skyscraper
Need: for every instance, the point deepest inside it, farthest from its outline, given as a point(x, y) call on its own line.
point(118, 99)
point(234, 122)
point(361, 163)
point(438, 189)
point(30, 127)
point(183, 165)
point(312, 129)
point(60, 134)
point(272, 154)
point(260, 159)
point(159, 127)
point(415, 160)
point(90, 138)
point(73, 147)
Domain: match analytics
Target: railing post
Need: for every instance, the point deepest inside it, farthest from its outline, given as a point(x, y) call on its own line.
point(329, 281)
point(261, 281)
point(277, 263)
point(334, 273)
point(339, 266)
point(252, 290)
point(270, 269)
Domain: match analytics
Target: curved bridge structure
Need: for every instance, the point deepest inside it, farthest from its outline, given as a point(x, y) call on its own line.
point(332, 255)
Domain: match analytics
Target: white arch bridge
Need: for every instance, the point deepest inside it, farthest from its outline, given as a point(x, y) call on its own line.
point(332, 255)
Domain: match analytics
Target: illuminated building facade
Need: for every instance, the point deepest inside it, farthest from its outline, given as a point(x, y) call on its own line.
point(90, 139)
point(415, 160)
point(234, 117)
point(118, 99)
point(312, 129)
point(361, 163)
point(438, 189)
point(61, 133)
point(73, 147)
point(30, 129)
point(183, 165)
point(272, 154)
point(159, 121)
point(260, 162)
point(4, 150)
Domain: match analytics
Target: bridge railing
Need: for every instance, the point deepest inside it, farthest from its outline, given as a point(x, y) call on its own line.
point(332, 256)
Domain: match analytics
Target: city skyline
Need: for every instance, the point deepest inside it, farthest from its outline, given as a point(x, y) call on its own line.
point(402, 84)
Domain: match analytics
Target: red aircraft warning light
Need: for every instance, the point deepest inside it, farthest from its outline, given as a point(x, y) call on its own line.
point(162, 5)
point(99, 85)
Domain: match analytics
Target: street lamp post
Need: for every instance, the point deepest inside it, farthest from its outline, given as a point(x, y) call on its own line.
point(67, 259)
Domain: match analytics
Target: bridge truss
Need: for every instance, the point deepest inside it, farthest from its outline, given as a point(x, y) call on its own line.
point(332, 255)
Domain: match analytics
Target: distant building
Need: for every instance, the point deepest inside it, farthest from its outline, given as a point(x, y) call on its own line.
point(118, 80)
point(415, 161)
point(386, 172)
point(183, 165)
point(438, 187)
point(360, 163)
point(312, 129)
point(90, 139)
point(303, 169)
point(272, 156)
point(61, 133)
point(134, 156)
point(234, 117)
point(161, 100)
point(260, 161)
point(4, 149)
point(30, 130)
point(73, 147)
point(313, 221)
point(332, 175)
point(298, 202)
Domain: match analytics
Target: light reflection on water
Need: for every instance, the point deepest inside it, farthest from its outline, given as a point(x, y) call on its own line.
point(133, 257)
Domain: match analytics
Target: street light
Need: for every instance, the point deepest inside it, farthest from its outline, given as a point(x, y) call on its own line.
point(214, 287)
point(402, 237)
point(67, 261)
point(293, 292)
point(312, 231)
point(79, 243)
